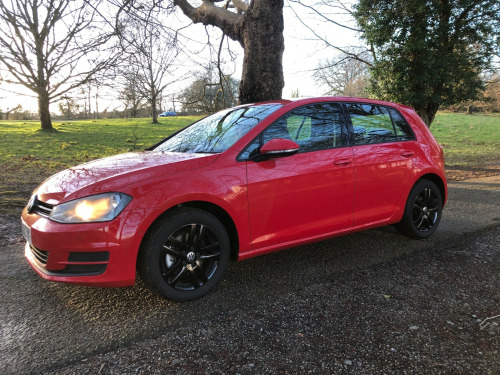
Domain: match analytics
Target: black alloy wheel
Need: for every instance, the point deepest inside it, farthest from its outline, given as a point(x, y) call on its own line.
point(185, 256)
point(422, 211)
point(425, 210)
point(190, 257)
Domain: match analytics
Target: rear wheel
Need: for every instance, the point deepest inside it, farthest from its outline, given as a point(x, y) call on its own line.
point(185, 255)
point(422, 211)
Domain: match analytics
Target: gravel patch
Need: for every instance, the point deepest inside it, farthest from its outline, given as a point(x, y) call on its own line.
point(10, 229)
point(432, 312)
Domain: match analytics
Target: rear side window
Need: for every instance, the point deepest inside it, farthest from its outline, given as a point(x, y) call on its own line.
point(377, 124)
point(371, 124)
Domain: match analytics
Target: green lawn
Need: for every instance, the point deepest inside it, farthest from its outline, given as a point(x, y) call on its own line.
point(468, 141)
point(29, 155)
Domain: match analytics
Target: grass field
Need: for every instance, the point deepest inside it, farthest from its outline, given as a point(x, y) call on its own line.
point(28, 155)
point(468, 141)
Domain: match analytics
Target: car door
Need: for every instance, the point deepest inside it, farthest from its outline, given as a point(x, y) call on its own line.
point(307, 194)
point(383, 149)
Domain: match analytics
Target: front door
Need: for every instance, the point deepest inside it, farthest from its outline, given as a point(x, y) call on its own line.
point(310, 193)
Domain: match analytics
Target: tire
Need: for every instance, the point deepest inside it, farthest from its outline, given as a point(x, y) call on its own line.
point(185, 254)
point(422, 211)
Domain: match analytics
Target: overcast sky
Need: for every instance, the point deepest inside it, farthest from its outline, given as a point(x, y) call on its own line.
point(302, 54)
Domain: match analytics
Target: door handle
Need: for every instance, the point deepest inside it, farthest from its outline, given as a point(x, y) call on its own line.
point(342, 162)
point(407, 154)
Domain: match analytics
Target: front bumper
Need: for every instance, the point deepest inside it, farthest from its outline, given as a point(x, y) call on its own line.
point(92, 254)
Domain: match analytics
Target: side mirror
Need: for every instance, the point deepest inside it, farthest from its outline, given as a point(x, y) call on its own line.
point(277, 147)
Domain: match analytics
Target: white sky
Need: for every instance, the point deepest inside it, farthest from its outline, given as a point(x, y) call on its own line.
point(302, 54)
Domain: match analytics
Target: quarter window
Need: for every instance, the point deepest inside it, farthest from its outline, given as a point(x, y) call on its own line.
point(403, 130)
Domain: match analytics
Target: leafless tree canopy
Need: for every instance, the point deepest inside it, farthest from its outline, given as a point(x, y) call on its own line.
point(334, 13)
point(42, 47)
point(207, 94)
point(344, 75)
point(151, 54)
point(130, 94)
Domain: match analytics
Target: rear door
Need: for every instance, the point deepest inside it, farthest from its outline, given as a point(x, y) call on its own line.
point(384, 151)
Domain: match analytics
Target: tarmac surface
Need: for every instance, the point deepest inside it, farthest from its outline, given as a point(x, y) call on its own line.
point(371, 302)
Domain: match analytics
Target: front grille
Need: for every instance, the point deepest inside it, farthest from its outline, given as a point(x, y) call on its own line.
point(41, 208)
point(40, 255)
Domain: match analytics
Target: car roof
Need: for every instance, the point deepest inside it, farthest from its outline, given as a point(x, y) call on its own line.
point(310, 100)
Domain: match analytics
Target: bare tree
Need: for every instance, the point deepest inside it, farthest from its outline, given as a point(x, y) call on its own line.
point(258, 27)
point(50, 47)
point(344, 75)
point(208, 94)
point(68, 107)
point(296, 93)
point(492, 93)
point(13, 110)
point(151, 54)
point(131, 94)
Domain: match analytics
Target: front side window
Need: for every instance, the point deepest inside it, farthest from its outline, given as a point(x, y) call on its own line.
point(218, 132)
point(313, 127)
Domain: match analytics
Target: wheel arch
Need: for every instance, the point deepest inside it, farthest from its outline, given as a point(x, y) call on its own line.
point(439, 183)
point(211, 208)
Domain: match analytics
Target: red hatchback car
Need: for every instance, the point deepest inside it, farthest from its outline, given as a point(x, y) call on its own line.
point(242, 182)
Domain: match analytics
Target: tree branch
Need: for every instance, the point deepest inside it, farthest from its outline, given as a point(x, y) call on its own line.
point(322, 15)
point(210, 14)
point(353, 56)
point(240, 5)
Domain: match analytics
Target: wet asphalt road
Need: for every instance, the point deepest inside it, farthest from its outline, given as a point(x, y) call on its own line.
point(45, 325)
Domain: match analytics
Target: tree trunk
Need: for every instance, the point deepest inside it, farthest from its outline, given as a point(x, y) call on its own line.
point(43, 110)
point(154, 111)
point(263, 43)
point(259, 29)
point(427, 113)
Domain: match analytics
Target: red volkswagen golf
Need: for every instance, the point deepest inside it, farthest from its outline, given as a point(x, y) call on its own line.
point(243, 182)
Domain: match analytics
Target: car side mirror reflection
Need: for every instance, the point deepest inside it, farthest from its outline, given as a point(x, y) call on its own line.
point(276, 148)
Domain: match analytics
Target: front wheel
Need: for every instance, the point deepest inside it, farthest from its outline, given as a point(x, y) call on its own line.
point(185, 254)
point(422, 211)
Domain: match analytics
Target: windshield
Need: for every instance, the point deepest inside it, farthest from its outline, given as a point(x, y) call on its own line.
point(218, 132)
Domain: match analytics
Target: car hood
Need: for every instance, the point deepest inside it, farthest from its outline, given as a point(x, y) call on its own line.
point(112, 173)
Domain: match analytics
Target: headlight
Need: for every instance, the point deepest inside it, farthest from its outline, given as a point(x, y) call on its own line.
point(100, 207)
